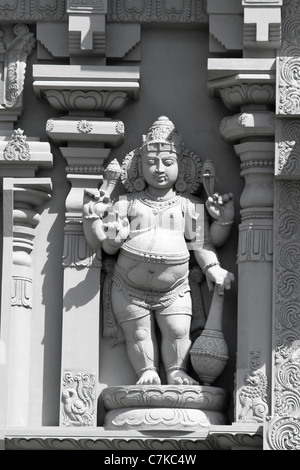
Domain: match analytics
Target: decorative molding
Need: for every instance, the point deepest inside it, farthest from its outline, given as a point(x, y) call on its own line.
point(287, 156)
point(52, 439)
point(77, 253)
point(254, 359)
point(33, 10)
point(104, 89)
point(21, 292)
point(194, 397)
point(183, 408)
point(78, 399)
point(287, 360)
point(17, 148)
point(15, 57)
point(189, 11)
point(282, 433)
point(149, 11)
point(162, 419)
point(288, 62)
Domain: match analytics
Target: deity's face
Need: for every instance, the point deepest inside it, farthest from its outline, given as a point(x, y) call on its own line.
point(160, 169)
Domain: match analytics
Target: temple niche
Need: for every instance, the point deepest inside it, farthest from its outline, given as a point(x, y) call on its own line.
point(149, 171)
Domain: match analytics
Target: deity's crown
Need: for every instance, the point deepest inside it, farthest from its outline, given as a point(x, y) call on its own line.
point(162, 136)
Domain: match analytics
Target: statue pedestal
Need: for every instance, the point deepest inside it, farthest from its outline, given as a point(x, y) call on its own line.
point(163, 408)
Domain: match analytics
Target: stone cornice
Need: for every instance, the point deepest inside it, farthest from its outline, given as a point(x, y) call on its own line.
point(94, 88)
point(244, 437)
point(157, 11)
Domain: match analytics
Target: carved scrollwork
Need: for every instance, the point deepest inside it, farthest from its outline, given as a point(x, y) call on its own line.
point(21, 292)
point(255, 244)
point(283, 433)
point(144, 419)
point(195, 397)
point(287, 297)
point(288, 148)
point(17, 10)
point(186, 443)
point(287, 380)
point(157, 11)
point(15, 58)
point(289, 62)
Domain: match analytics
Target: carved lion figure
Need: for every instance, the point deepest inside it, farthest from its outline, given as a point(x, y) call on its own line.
point(253, 398)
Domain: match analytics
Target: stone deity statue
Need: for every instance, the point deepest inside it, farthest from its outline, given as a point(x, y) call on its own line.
point(153, 230)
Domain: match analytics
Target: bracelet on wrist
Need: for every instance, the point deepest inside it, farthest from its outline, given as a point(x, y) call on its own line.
point(207, 266)
point(91, 217)
point(224, 223)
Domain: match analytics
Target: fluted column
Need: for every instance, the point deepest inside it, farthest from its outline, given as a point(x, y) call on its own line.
point(23, 198)
point(255, 269)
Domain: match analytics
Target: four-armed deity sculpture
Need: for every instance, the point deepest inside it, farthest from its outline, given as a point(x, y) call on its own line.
point(153, 230)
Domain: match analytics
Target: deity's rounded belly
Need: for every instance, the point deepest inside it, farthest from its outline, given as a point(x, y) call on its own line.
point(160, 276)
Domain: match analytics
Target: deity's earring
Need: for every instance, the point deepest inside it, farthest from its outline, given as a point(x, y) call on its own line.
point(180, 184)
point(139, 183)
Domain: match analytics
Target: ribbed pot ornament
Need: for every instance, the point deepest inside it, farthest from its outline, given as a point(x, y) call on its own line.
point(209, 353)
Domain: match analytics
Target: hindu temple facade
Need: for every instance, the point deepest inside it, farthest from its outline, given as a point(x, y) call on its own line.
point(81, 83)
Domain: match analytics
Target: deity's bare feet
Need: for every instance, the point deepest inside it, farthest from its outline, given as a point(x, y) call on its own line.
point(180, 377)
point(149, 377)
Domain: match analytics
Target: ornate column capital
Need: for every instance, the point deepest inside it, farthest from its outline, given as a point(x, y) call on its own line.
point(242, 82)
point(96, 89)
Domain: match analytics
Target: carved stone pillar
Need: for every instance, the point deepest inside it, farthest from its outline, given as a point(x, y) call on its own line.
point(281, 431)
point(252, 133)
point(255, 268)
point(81, 316)
point(22, 197)
point(86, 95)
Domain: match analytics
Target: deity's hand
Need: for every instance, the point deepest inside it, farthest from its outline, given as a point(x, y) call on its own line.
point(96, 203)
point(221, 208)
point(219, 279)
point(116, 228)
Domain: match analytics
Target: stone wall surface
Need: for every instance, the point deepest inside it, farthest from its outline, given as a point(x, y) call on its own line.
point(80, 83)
